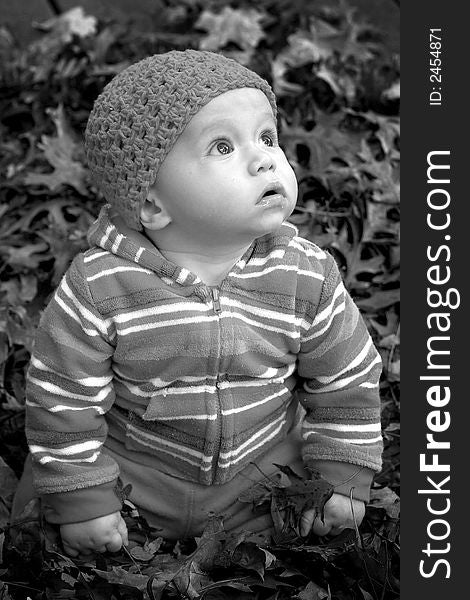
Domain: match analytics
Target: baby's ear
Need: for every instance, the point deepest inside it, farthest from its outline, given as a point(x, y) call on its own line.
point(153, 214)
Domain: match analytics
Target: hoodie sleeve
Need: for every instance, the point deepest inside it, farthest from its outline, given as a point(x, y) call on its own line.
point(69, 390)
point(340, 369)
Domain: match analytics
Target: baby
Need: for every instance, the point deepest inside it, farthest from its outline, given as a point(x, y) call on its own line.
point(199, 341)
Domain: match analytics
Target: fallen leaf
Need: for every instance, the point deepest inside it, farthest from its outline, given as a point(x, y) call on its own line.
point(61, 152)
point(269, 558)
point(249, 556)
point(20, 328)
point(340, 84)
point(304, 494)
point(390, 327)
point(8, 485)
point(344, 38)
point(291, 501)
point(193, 576)
point(391, 431)
point(393, 92)
point(365, 594)
point(71, 581)
point(393, 370)
point(4, 345)
point(379, 224)
point(70, 23)
point(379, 299)
point(138, 553)
point(312, 591)
point(387, 499)
point(386, 185)
point(28, 256)
point(349, 243)
point(210, 542)
point(389, 341)
point(257, 494)
point(319, 45)
point(388, 131)
point(5, 594)
point(146, 552)
point(238, 26)
point(121, 576)
point(301, 50)
point(9, 402)
point(325, 142)
point(161, 570)
point(25, 534)
point(20, 291)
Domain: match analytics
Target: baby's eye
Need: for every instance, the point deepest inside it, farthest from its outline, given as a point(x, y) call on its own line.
point(222, 148)
point(269, 138)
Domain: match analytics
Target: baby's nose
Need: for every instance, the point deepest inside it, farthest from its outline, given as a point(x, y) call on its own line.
point(262, 161)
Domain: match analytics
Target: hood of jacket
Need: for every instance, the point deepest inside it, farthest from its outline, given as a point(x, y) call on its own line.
point(110, 233)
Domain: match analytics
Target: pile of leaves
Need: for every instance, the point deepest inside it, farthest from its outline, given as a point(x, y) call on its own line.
point(338, 95)
point(218, 565)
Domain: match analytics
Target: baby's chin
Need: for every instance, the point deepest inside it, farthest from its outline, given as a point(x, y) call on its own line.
point(271, 223)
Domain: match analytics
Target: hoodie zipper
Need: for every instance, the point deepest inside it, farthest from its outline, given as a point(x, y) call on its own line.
point(215, 294)
point(216, 300)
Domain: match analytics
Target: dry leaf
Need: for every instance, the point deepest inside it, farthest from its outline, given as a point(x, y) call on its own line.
point(8, 485)
point(327, 141)
point(258, 494)
point(386, 185)
point(393, 92)
point(28, 256)
point(342, 39)
point(193, 576)
point(61, 152)
point(249, 556)
point(387, 499)
point(238, 26)
point(378, 300)
point(313, 592)
point(378, 222)
point(303, 494)
point(121, 576)
point(70, 23)
point(317, 46)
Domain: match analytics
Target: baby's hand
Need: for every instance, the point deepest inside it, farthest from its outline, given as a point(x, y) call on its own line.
point(338, 516)
point(97, 535)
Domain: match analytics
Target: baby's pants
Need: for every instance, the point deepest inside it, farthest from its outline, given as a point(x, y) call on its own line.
point(180, 508)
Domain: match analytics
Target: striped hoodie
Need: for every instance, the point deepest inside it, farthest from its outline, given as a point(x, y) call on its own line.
point(137, 354)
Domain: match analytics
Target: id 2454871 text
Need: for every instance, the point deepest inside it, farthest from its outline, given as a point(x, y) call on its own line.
point(435, 68)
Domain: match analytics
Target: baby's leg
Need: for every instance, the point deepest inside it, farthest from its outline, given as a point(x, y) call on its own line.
point(179, 508)
point(241, 516)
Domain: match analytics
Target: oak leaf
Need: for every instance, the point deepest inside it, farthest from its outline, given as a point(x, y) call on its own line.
point(71, 23)
point(193, 576)
point(61, 151)
point(313, 592)
point(120, 576)
point(238, 26)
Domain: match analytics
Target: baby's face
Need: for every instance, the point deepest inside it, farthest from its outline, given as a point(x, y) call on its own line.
point(226, 178)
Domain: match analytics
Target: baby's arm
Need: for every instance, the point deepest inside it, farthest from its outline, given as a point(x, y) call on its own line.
point(341, 430)
point(69, 390)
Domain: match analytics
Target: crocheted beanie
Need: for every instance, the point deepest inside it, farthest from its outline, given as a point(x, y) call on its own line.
point(140, 114)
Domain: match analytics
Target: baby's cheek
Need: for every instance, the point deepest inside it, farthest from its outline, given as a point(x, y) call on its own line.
point(291, 182)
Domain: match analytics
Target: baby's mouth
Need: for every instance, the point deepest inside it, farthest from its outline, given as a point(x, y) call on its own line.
point(273, 194)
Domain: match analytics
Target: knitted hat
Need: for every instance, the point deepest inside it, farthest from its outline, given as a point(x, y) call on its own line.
point(140, 114)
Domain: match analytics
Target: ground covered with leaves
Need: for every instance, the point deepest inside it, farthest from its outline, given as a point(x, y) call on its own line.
point(338, 95)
